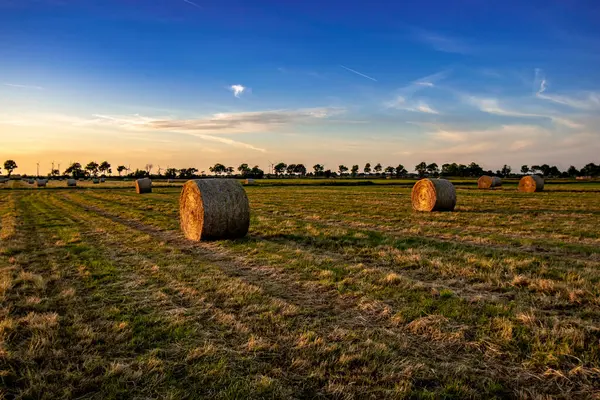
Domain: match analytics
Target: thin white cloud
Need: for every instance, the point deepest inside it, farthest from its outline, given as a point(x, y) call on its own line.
point(359, 73)
point(23, 86)
point(237, 90)
point(442, 42)
point(425, 108)
point(585, 101)
point(192, 3)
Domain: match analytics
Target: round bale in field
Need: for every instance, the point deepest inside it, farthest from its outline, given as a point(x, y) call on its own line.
point(214, 209)
point(71, 182)
point(531, 183)
point(102, 180)
point(31, 181)
point(143, 186)
point(249, 181)
point(96, 181)
point(433, 195)
point(488, 182)
point(41, 182)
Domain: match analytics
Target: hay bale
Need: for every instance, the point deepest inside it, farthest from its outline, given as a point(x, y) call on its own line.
point(71, 182)
point(143, 186)
point(41, 182)
point(488, 182)
point(531, 183)
point(102, 180)
point(249, 181)
point(214, 209)
point(433, 195)
point(3, 180)
point(30, 181)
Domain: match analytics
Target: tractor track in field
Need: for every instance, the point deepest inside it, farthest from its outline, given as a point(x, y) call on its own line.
point(260, 275)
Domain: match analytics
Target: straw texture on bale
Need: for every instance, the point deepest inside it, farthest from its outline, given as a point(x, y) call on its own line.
point(531, 183)
point(488, 182)
point(143, 186)
point(41, 182)
point(433, 195)
point(71, 182)
point(214, 209)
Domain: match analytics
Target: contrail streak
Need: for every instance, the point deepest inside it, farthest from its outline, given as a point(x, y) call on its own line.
point(357, 73)
point(192, 3)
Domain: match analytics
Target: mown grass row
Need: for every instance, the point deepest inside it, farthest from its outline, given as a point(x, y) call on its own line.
point(553, 342)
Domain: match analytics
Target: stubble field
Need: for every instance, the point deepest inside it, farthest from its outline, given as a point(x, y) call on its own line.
point(336, 292)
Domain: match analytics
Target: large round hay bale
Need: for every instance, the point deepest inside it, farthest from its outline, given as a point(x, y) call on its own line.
point(95, 181)
point(71, 182)
point(143, 186)
point(488, 182)
point(214, 209)
point(41, 182)
point(433, 195)
point(531, 183)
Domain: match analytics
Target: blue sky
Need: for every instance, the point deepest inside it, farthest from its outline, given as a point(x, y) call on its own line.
point(190, 83)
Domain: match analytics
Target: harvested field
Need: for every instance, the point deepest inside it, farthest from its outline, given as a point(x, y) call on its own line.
point(336, 292)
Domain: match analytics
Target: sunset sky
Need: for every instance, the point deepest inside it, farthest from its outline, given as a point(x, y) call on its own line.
point(189, 83)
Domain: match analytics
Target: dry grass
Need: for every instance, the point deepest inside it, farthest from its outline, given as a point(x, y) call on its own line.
point(362, 300)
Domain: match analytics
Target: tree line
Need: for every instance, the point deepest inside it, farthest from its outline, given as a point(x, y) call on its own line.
point(281, 169)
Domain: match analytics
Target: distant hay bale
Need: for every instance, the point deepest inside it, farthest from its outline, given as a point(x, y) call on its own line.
point(96, 181)
point(42, 182)
point(71, 182)
point(143, 186)
point(31, 181)
point(531, 183)
point(488, 182)
point(249, 181)
point(169, 181)
point(212, 209)
point(102, 180)
point(3, 180)
point(433, 195)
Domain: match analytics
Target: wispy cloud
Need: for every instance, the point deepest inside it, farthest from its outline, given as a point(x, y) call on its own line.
point(423, 107)
point(23, 86)
point(584, 101)
point(359, 73)
point(442, 42)
point(192, 3)
point(237, 90)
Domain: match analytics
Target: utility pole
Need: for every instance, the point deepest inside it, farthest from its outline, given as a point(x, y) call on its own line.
point(38, 169)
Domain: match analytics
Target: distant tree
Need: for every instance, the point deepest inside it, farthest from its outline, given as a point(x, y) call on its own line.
point(300, 169)
point(291, 169)
point(10, 166)
point(148, 168)
point(327, 173)
point(524, 169)
point(256, 172)
point(186, 173)
point(535, 168)
point(55, 172)
point(121, 168)
point(170, 173)
point(474, 169)
point(390, 170)
point(432, 168)
point(243, 169)
point(218, 169)
point(421, 168)
point(139, 173)
point(367, 168)
point(343, 169)
point(318, 168)
point(354, 170)
point(378, 168)
point(590, 169)
point(104, 167)
point(92, 168)
point(572, 171)
point(229, 171)
point(75, 170)
point(400, 170)
point(505, 170)
point(280, 168)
